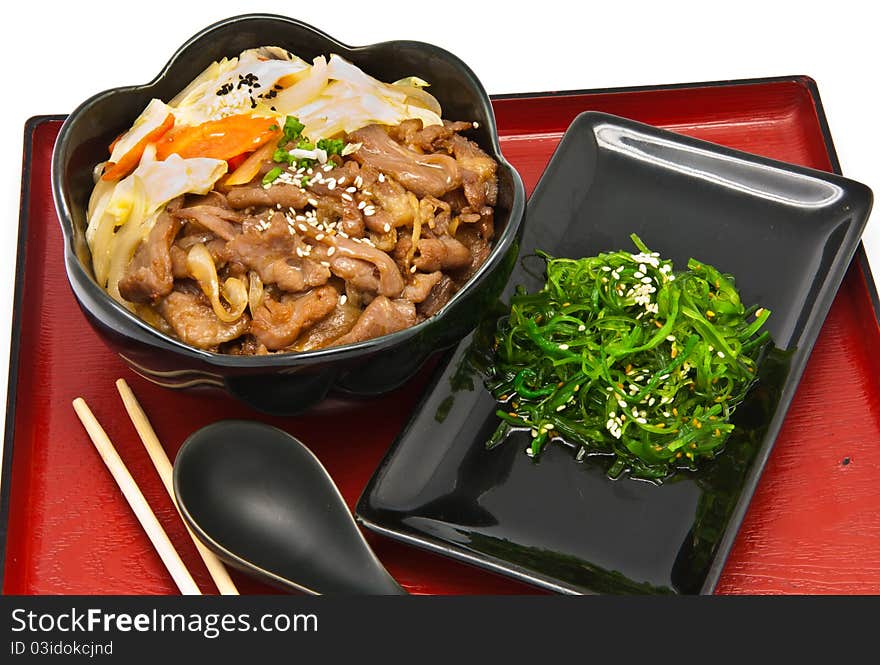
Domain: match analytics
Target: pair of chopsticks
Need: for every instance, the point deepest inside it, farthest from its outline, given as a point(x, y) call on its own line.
point(135, 497)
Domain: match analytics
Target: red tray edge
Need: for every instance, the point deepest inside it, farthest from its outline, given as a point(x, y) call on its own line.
point(35, 121)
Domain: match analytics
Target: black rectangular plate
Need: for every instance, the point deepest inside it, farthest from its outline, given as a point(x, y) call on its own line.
point(787, 233)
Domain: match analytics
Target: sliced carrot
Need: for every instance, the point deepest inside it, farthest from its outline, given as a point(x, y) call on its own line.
point(115, 141)
point(234, 162)
point(219, 139)
point(250, 167)
point(130, 160)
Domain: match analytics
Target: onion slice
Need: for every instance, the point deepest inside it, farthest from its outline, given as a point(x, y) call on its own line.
point(202, 268)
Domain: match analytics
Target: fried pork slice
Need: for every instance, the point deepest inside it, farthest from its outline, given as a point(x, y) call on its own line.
point(191, 317)
point(220, 221)
point(277, 323)
point(432, 174)
point(251, 196)
point(381, 317)
point(442, 253)
point(421, 286)
point(440, 295)
point(271, 250)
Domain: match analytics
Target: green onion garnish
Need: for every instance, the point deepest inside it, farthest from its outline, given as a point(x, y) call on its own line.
point(272, 175)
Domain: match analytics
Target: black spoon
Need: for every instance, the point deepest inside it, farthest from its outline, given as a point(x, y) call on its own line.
point(263, 503)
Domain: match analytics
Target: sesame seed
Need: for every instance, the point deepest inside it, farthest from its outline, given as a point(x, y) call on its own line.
point(340, 181)
point(327, 168)
point(387, 228)
point(369, 211)
point(347, 197)
point(362, 205)
point(563, 347)
point(331, 251)
point(320, 236)
point(476, 124)
point(381, 177)
point(351, 190)
point(343, 299)
point(312, 202)
point(412, 269)
point(367, 193)
point(302, 227)
point(622, 403)
point(582, 328)
point(358, 181)
point(720, 354)
point(325, 264)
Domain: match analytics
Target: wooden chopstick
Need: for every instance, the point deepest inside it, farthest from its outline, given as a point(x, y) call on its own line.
point(136, 500)
point(151, 442)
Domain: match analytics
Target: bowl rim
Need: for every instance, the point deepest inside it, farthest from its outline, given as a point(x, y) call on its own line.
point(161, 341)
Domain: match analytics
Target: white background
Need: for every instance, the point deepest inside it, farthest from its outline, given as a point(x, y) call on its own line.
point(58, 54)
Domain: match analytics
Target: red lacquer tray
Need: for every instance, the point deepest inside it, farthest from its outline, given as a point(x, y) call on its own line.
point(813, 525)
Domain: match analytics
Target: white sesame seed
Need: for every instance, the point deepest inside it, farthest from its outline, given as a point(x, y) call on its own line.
point(638, 274)
point(670, 338)
point(362, 205)
point(340, 181)
point(366, 192)
point(327, 167)
point(647, 280)
point(325, 264)
point(351, 190)
point(561, 407)
point(309, 171)
point(358, 181)
point(412, 269)
point(312, 202)
point(302, 227)
point(387, 228)
point(582, 328)
point(622, 403)
point(347, 197)
point(476, 124)
point(331, 184)
point(643, 421)
point(299, 252)
point(720, 354)
point(369, 211)
point(320, 236)
point(343, 299)
point(381, 177)
point(331, 251)
point(563, 347)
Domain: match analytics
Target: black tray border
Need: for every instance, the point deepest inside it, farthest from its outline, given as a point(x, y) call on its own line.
point(15, 338)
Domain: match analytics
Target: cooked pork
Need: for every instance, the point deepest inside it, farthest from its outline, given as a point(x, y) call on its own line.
point(370, 243)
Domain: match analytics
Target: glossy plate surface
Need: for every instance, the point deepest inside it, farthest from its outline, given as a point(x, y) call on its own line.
point(813, 524)
point(786, 233)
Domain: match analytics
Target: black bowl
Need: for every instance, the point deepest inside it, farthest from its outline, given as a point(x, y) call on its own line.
point(287, 383)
